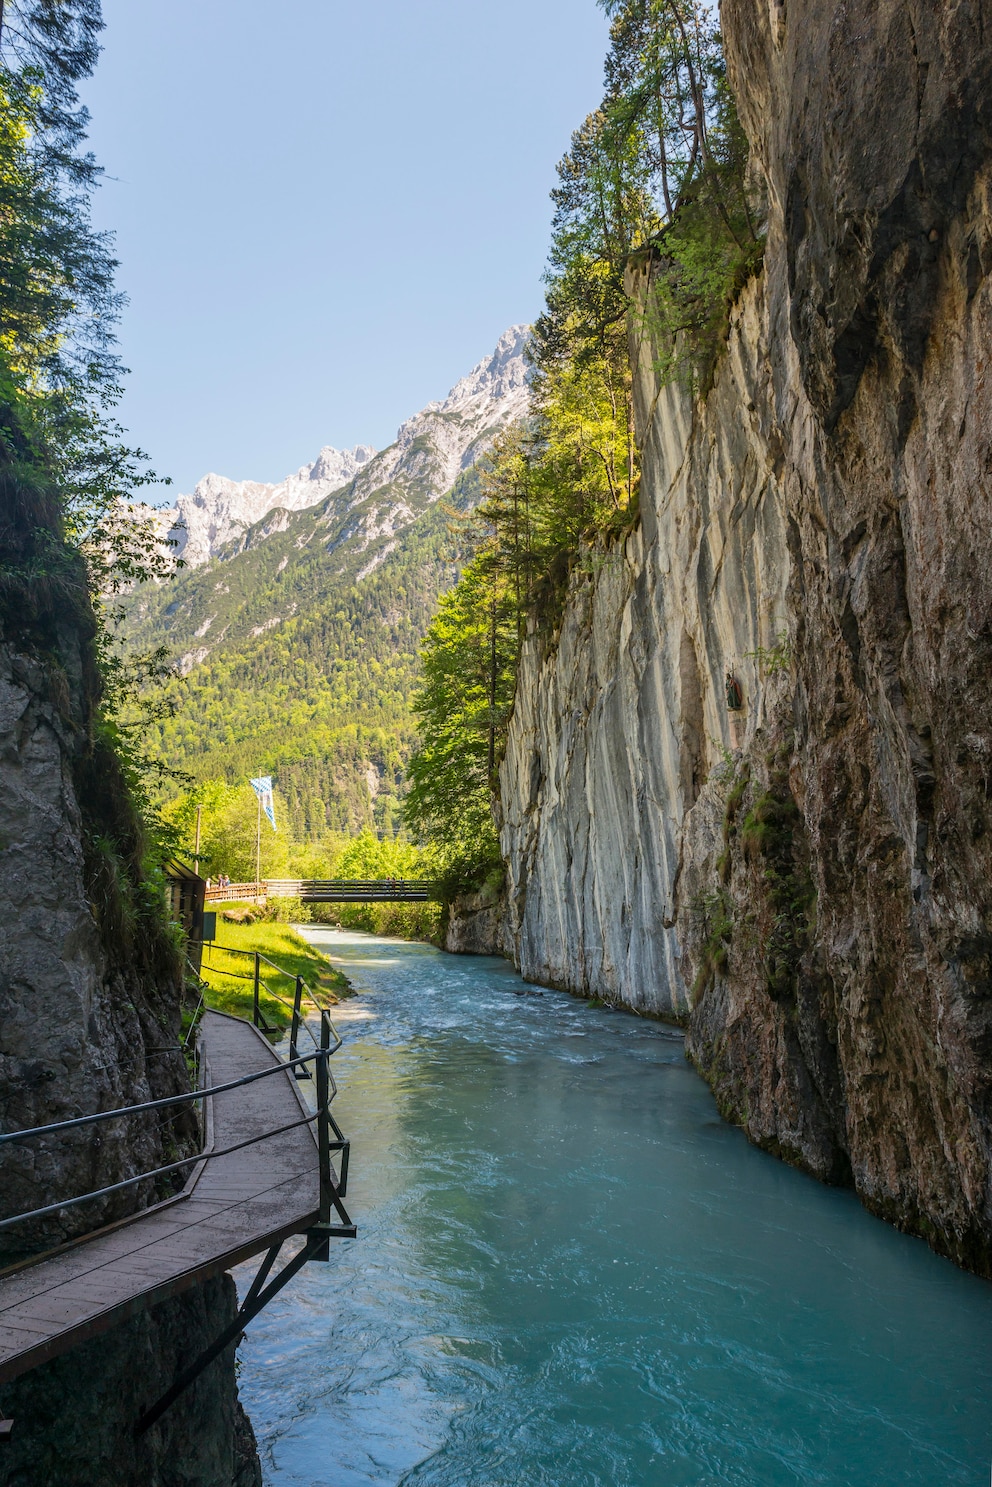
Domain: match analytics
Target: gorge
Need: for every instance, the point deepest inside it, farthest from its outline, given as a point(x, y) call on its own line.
point(661, 648)
point(572, 1271)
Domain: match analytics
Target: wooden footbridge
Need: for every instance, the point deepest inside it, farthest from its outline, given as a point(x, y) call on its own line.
point(265, 1174)
point(330, 891)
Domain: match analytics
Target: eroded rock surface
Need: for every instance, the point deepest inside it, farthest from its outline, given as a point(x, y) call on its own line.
point(620, 716)
point(82, 1029)
point(90, 985)
point(807, 880)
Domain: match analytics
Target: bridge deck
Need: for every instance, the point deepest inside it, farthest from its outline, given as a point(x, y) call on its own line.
point(236, 1207)
point(330, 891)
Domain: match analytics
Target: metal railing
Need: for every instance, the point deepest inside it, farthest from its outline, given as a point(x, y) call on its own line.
point(329, 890)
point(211, 947)
point(331, 1191)
point(298, 1022)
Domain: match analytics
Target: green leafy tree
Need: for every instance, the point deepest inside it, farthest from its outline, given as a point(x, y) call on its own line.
point(465, 699)
point(70, 534)
point(57, 294)
point(658, 171)
point(228, 823)
point(660, 167)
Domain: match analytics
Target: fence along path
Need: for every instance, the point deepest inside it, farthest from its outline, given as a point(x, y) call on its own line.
point(233, 1206)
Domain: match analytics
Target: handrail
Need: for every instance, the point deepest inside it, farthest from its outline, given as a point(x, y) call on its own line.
point(295, 887)
point(257, 956)
point(197, 1094)
point(389, 882)
point(331, 1192)
point(115, 1187)
point(236, 950)
point(193, 1024)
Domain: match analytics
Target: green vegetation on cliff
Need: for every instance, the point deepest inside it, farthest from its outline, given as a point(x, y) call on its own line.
point(657, 175)
point(70, 537)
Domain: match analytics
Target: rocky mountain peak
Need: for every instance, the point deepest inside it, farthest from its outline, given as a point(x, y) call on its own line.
point(219, 509)
point(430, 451)
point(504, 375)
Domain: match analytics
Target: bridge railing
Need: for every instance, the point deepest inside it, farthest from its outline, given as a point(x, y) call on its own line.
point(345, 890)
point(237, 893)
point(341, 890)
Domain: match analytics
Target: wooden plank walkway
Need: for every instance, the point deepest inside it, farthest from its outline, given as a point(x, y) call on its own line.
point(232, 1208)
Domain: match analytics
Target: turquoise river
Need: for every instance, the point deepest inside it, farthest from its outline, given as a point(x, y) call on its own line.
point(571, 1273)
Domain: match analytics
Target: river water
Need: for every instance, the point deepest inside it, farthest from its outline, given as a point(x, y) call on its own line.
point(571, 1273)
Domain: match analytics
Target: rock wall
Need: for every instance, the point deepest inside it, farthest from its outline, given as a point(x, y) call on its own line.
point(90, 988)
point(82, 1028)
point(476, 924)
point(74, 1417)
point(621, 715)
point(807, 881)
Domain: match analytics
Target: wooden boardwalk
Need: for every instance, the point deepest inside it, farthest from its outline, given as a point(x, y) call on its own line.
point(232, 1208)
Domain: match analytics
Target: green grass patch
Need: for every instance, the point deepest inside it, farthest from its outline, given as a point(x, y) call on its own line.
point(229, 975)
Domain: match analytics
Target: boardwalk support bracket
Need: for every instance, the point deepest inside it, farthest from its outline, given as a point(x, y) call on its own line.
point(259, 1295)
point(322, 1234)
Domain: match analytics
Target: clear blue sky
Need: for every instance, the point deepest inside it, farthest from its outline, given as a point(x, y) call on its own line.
point(325, 213)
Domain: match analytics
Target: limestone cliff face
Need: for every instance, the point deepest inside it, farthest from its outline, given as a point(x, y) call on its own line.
point(82, 1026)
point(89, 1020)
point(619, 718)
point(89, 992)
point(808, 879)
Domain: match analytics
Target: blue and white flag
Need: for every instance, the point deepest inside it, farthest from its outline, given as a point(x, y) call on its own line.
point(263, 789)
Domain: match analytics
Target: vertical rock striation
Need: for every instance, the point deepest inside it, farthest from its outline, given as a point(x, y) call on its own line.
point(620, 715)
point(807, 881)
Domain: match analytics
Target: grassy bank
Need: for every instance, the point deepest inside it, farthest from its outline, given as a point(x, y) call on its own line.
point(228, 969)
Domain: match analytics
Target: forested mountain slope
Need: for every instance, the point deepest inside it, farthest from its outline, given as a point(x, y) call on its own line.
point(298, 645)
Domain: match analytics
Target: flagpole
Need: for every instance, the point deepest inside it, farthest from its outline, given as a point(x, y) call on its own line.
point(258, 848)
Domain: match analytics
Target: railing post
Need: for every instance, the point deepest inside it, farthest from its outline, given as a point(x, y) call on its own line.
point(324, 1119)
point(300, 1070)
point(255, 1007)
